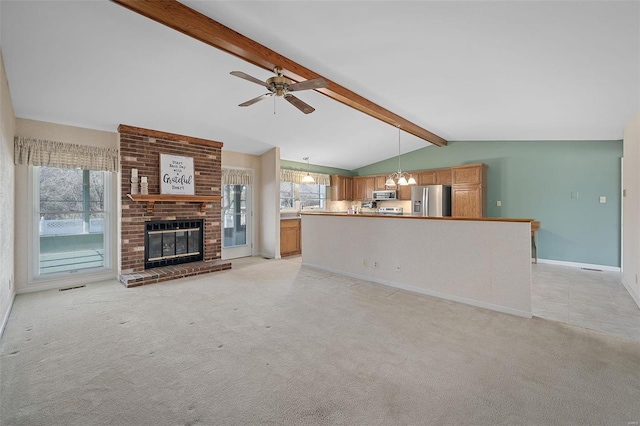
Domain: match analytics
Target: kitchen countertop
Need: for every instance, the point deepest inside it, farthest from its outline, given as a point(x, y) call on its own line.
point(408, 216)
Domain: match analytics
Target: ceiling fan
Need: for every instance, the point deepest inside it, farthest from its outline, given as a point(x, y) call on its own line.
point(279, 85)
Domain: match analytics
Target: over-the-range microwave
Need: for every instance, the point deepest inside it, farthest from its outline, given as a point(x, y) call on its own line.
point(387, 194)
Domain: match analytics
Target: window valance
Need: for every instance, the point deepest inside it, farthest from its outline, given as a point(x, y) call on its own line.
point(38, 152)
point(237, 177)
point(296, 176)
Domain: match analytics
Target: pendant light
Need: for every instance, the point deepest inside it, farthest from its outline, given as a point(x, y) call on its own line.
point(399, 175)
point(308, 178)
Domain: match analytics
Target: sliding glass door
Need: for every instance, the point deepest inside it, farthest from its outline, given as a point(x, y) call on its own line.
point(72, 217)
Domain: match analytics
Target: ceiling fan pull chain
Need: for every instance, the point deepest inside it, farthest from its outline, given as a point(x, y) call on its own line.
point(274, 104)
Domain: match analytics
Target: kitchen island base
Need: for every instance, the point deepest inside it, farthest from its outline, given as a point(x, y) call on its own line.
point(484, 263)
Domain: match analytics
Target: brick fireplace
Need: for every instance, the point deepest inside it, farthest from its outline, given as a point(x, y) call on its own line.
point(141, 149)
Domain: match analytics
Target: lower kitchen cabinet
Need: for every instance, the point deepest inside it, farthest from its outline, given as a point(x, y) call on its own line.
point(290, 234)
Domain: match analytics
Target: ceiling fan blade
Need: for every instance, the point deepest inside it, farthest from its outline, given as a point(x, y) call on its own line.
point(249, 78)
point(316, 83)
point(307, 109)
point(255, 100)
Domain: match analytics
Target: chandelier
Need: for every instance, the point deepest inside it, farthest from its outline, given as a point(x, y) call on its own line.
point(399, 177)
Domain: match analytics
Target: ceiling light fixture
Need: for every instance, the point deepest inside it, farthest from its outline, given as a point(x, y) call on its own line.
point(399, 175)
point(308, 178)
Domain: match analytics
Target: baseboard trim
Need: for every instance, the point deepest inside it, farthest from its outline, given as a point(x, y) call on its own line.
point(580, 265)
point(453, 298)
point(5, 320)
point(61, 283)
point(630, 291)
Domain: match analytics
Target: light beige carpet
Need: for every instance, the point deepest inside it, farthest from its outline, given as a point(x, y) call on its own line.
point(272, 343)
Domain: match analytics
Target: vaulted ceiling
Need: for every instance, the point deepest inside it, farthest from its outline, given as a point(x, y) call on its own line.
point(464, 70)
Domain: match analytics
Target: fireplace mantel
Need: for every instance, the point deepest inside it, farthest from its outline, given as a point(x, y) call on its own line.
point(151, 199)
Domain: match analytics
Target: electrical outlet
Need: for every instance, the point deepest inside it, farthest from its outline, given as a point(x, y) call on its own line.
point(376, 263)
point(499, 203)
point(603, 199)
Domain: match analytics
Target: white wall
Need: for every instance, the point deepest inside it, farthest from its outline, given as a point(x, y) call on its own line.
point(7, 199)
point(59, 133)
point(254, 162)
point(481, 263)
point(269, 210)
point(631, 208)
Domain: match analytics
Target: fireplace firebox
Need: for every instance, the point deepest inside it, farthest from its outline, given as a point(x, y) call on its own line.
point(171, 242)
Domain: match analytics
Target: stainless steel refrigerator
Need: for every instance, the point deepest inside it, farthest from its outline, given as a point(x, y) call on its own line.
point(431, 200)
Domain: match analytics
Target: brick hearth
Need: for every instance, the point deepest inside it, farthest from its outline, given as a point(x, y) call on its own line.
point(141, 149)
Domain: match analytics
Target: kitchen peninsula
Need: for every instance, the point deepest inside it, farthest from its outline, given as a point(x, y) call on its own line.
point(484, 262)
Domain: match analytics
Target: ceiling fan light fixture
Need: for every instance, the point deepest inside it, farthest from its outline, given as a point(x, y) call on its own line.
point(281, 86)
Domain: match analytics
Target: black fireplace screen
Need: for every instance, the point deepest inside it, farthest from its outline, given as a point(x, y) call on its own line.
point(170, 242)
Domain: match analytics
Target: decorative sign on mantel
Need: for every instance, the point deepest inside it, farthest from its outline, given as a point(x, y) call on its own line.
point(176, 175)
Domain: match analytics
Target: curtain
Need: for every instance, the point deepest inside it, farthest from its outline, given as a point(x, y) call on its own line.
point(237, 177)
point(296, 176)
point(37, 152)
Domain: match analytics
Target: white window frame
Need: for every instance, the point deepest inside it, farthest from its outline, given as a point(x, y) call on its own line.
point(296, 200)
point(69, 278)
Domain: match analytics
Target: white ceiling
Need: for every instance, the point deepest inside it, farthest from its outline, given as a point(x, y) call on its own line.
point(465, 70)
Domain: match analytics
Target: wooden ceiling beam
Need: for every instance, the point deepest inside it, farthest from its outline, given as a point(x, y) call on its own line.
point(181, 18)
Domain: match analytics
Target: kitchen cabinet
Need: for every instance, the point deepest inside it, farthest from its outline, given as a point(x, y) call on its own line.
point(427, 177)
point(404, 192)
point(290, 233)
point(443, 176)
point(469, 190)
point(379, 183)
point(341, 188)
point(363, 188)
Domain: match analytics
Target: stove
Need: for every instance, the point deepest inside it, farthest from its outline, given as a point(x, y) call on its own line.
point(390, 210)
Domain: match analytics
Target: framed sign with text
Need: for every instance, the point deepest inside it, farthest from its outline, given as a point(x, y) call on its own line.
point(176, 175)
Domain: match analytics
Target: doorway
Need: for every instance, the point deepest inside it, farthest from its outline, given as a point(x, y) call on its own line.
point(237, 215)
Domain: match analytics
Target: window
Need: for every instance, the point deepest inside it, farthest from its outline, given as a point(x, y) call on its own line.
point(72, 220)
point(312, 196)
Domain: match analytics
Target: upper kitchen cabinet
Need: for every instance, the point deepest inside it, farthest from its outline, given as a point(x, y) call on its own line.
point(443, 176)
point(426, 177)
point(404, 192)
point(363, 188)
point(380, 183)
point(341, 188)
point(469, 190)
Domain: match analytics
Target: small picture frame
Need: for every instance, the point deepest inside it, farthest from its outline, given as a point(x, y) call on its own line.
point(176, 175)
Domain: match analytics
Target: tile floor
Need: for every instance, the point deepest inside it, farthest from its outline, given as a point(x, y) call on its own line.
point(595, 300)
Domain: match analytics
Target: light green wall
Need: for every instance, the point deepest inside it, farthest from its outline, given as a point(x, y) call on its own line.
point(535, 179)
point(293, 165)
